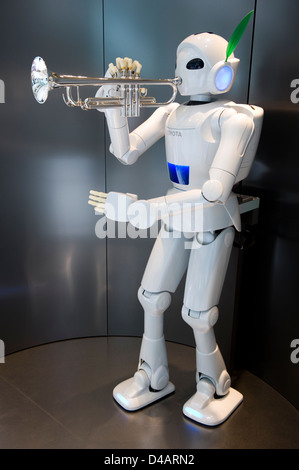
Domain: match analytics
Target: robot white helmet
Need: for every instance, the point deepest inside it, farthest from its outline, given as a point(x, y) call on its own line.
point(202, 67)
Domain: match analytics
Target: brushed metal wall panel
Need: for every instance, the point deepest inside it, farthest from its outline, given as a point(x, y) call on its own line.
point(53, 267)
point(270, 273)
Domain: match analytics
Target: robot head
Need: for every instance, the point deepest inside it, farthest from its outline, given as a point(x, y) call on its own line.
point(203, 67)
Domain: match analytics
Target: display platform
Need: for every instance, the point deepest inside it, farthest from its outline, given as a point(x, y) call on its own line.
point(59, 396)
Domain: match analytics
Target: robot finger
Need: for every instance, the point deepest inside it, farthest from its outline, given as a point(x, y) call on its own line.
point(100, 210)
point(98, 193)
point(96, 203)
point(98, 200)
point(120, 64)
point(98, 207)
point(113, 70)
point(137, 67)
point(128, 62)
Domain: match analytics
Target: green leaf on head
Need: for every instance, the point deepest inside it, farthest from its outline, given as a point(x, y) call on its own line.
point(237, 34)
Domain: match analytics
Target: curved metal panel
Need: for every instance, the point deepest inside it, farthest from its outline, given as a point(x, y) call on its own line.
point(52, 268)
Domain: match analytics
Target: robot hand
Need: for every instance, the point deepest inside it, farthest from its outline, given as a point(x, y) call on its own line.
point(124, 68)
point(114, 205)
point(122, 207)
point(125, 146)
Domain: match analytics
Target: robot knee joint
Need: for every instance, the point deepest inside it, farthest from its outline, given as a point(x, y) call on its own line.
point(200, 321)
point(154, 303)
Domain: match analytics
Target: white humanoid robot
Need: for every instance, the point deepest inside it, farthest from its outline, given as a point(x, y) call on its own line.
point(210, 146)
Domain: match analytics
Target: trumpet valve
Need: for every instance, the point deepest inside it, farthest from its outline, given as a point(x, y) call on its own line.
point(142, 92)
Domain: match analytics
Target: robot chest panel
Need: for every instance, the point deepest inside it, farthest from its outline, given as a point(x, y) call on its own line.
point(191, 143)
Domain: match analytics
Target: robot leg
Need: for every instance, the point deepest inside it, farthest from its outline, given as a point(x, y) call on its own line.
point(165, 268)
point(214, 399)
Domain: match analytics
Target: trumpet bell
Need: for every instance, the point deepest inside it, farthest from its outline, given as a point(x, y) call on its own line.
point(39, 80)
point(131, 96)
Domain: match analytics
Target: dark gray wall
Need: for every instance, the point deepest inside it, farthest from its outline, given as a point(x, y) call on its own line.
point(52, 268)
point(269, 311)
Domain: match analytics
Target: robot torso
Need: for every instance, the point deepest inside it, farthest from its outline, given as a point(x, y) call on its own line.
point(192, 137)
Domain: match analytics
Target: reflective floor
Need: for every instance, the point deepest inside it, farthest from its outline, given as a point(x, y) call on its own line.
point(59, 396)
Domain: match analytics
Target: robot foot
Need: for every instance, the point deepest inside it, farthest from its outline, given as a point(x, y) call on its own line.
point(135, 393)
point(204, 408)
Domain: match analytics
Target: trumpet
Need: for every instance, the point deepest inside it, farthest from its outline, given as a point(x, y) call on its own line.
point(131, 92)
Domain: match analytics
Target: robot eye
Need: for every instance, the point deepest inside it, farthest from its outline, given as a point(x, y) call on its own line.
point(195, 64)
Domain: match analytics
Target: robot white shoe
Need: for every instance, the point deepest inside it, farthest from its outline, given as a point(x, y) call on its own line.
point(204, 408)
point(135, 393)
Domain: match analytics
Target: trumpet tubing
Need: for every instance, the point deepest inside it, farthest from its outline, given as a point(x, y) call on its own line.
point(131, 92)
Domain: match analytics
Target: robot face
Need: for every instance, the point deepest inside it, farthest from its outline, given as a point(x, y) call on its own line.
point(192, 70)
point(202, 67)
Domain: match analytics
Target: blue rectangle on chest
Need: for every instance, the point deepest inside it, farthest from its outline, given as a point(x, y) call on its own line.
point(178, 173)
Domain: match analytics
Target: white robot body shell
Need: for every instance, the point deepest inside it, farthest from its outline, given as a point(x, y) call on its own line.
point(210, 146)
point(192, 137)
point(256, 113)
point(200, 140)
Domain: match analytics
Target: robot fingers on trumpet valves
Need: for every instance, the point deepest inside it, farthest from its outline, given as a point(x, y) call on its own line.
point(123, 68)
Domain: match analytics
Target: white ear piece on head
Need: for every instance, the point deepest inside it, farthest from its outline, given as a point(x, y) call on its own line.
point(222, 76)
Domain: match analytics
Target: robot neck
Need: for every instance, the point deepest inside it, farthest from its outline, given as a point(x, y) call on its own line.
point(203, 98)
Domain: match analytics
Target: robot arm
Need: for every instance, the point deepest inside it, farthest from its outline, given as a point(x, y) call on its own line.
point(236, 131)
point(127, 147)
point(142, 214)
